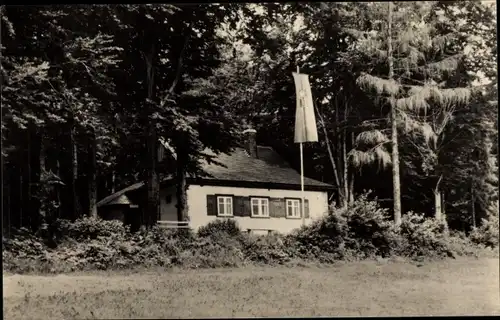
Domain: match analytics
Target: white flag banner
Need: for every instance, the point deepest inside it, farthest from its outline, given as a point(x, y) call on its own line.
point(305, 120)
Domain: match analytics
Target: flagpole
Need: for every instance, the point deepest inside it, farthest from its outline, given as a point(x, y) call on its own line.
point(302, 178)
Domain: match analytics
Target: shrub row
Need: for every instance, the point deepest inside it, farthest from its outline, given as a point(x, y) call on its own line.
point(362, 231)
point(487, 233)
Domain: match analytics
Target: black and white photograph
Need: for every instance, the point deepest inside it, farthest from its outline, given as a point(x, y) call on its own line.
point(249, 159)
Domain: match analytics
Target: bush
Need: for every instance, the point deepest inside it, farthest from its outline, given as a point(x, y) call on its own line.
point(422, 237)
point(459, 244)
point(227, 226)
point(212, 252)
point(24, 244)
point(361, 230)
point(86, 228)
point(268, 249)
point(487, 233)
point(324, 237)
point(364, 230)
point(371, 233)
point(94, 244)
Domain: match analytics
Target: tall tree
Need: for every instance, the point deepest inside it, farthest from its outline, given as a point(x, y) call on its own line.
point(175, 61)
point(424, 62)
point(333, 85)
point(72, 58)
point(394, 126)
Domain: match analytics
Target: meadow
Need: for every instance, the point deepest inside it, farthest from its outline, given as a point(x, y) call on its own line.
point(383, 287)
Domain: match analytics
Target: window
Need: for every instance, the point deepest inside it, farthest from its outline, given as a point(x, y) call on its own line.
point(292, 208)
point(225, 206)
point(260, 207)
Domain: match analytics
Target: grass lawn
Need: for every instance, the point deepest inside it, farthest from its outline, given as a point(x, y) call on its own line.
point(452, 287)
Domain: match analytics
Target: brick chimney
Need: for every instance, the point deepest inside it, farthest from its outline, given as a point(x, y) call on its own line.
point(250, 142)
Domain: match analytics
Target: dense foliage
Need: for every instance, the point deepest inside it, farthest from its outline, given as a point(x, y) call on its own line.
point(362, 230)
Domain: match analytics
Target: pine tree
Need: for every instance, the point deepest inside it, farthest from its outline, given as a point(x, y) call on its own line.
point(424, 61)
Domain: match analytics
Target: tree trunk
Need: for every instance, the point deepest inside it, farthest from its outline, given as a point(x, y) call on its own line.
point(438, 212)
point(344, 160)
point(43, 166)
point(14, 173)
point(153, 187)
point(351, 176)
point(69, 174)
point(341, 165)
point(58, 192)
point(52, 156)
point(443, 204)
point(182, 157)
point(36, 162)
point(6, 213)
point(394, 128)
point(6, 204)
point(21, 197)
point(74, 166)
point(92, 174)
point(345, 180)
point(26, 184)
point(437, 203)
point(182, 204)
point(153, 211)
point(473, 208)
point(45, 190)
point(44, 197)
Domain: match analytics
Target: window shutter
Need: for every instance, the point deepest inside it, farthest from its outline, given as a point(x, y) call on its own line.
point(277, 208)
point(211, 205)
point(238, 206)
point(306, 208)
point(247, 211)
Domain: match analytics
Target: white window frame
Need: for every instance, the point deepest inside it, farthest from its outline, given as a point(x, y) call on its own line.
point(294, 204)
point(260, 202)
point(225, 201)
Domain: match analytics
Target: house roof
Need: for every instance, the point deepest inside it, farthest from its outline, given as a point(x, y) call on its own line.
point(122, 199)
point(109, 199)
point(268, 169)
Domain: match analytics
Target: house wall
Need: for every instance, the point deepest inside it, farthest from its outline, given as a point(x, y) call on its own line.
point(168, 211)
point(197, 201)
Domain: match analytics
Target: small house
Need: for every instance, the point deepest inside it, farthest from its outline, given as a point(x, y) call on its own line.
point(256, 187)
